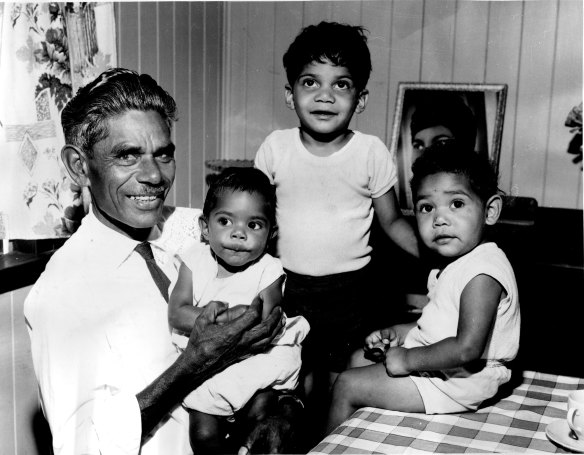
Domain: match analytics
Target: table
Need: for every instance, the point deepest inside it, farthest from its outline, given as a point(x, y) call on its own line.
point(515, 423)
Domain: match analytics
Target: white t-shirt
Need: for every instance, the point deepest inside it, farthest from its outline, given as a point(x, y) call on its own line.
point(325, 206)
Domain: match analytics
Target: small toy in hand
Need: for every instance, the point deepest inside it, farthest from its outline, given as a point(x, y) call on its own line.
point(377, 352)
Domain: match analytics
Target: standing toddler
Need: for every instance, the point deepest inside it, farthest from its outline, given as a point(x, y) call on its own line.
point(329, 180)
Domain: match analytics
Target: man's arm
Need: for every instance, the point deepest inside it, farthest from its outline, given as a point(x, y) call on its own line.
point(219, 338)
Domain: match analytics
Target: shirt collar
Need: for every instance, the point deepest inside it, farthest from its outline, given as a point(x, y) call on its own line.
point(113, 247)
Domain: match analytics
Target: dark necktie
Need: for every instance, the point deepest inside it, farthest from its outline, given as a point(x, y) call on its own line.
point(145, 250)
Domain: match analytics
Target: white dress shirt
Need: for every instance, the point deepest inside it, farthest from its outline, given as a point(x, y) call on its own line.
point(99, 335)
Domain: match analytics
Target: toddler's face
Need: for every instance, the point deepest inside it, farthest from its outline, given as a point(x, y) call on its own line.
point(238, 228)
point(451, 217)
point(325, 97)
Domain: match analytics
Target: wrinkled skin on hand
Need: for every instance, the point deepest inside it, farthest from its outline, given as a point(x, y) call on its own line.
point(222, 336)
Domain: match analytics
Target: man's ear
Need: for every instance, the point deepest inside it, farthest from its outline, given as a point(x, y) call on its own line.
point(204, 226)
point(289, 95)
point(362, 103)
point(76, 163)
point(494, 207)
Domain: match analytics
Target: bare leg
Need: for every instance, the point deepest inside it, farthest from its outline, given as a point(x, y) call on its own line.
point(371, 386)
point(206, 432)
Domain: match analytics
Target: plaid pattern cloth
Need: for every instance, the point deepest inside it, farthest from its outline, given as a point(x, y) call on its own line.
point(516, 423)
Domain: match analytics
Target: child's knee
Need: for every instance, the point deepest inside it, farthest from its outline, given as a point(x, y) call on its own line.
point(358, 359)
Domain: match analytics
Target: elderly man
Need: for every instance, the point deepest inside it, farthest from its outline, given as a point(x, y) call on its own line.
point(110, 379)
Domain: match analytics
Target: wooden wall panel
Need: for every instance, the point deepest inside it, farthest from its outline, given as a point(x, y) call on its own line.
point(288, 22)
point(564, 180)
point(533, 101)
point(438, 41)
point(505, 26)
point(7, 418)
point(533, 46)
point(21, 431)
point(470, 41)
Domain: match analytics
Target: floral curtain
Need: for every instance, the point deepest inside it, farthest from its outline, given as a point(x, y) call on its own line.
point(47, 51)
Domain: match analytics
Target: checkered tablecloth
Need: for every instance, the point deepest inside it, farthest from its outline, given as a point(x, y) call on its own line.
point(516, 423)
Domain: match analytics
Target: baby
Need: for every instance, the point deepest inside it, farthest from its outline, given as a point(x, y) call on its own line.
point(238, 221)
point(456, 355)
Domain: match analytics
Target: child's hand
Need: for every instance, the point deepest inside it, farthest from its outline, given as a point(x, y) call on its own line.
point(376, 344)
point(379, 339)
point(396, 362)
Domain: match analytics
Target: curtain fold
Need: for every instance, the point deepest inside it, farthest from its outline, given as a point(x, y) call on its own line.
point(47, 51)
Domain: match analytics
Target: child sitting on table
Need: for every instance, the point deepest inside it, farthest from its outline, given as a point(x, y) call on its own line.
point(330, 179)
point(239, 218)
point(455, 356)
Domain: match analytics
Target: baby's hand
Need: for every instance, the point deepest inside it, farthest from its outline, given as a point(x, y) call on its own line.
point(396, 362)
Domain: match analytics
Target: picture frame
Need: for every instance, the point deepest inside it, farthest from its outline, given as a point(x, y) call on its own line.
point(486, 103)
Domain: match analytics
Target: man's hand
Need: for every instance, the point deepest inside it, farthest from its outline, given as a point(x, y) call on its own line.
point(222, 336)
point(219, 338)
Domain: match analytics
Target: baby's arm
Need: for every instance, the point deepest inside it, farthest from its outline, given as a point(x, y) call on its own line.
point(271, 296)
point(478, 308)
point(394, 224)
point(181, 311)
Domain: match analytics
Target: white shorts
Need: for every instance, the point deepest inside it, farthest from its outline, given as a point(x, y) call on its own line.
point(457, 390)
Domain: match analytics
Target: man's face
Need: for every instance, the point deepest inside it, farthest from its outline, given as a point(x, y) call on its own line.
point(131, 171)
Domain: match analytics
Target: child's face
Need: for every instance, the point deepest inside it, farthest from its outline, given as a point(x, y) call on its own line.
point(325, 97)
point(238, 228)
point(451, 217)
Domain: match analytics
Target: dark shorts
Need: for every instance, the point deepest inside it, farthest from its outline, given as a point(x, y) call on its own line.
point(341, 311)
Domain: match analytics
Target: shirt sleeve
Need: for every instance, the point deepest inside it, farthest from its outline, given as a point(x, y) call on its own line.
point(271, 272)
point(104, 420)
point(382, 169)
point(263, 160)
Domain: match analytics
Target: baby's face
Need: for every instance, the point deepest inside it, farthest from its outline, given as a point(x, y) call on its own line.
point(325, 97)
point(451, 217)
point(238, 228)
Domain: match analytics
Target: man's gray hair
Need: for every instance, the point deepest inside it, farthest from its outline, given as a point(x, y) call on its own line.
point(113, 92)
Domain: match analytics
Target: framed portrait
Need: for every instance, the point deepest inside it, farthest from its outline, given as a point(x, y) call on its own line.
point(426, 113)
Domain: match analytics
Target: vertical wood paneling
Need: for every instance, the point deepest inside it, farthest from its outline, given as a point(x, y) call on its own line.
point(148, 38)
point(288, 23)
point(166, 63)
point(520, 43)
point(505, 25)
point(315, 12)
point(20, 431)
point(373, 120)
point(198, 113)
point(261, 20)
point(534, 90)
point(7, 417)
point(213, 71)
point(128, 37)
point(562, 180)
point(182, 95)
point(438, 41)
point(468, 64)
point(234, 121)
